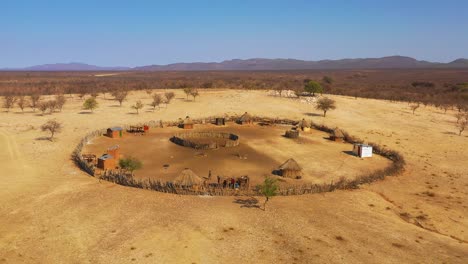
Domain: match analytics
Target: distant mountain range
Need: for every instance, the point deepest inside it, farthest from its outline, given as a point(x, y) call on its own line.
point(391, 62)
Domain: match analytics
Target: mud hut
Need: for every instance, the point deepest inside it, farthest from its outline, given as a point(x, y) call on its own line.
point(245, 119)
point(187, 123)
point(114, 132)
point(220, 121)
point(337, 135)
point(293, 133)
point(188, 178)
point(114, 151)
point(290, 169)
point(106, 162)
point(304, 125)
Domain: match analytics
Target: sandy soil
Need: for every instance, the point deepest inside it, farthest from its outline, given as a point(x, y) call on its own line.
point(264, 149)
point(51, 212)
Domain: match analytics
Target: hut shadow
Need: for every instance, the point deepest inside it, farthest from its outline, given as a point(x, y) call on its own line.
point(312, 114)
point(349, 152)
point(276, 172)
point(250, 202)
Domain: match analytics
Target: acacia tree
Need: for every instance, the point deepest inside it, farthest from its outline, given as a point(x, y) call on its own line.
point(52, 106)
point(43, 106)
point(130, 164)
point(268, 189)
point(9, 102)
point(22, 102)
point(34, 100)
point(120, 96)
point(169, 96)
point(414, 107)
point(187, 91)
point(461, 124)
point(325, 104)
point(137, 106)
point(90, 104)
point(60, 101)
point(194, 93)
point(53, 126)
point(313, 87)
point(157, 100)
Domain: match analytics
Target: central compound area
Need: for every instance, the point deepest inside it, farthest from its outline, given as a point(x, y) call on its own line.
point(233, 151)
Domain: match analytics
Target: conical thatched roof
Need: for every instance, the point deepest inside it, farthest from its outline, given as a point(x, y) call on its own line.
point(304, 123)
point(337, 133)
point(188, 178)
point(290, 164)
point(188, 121)
point(245, 117)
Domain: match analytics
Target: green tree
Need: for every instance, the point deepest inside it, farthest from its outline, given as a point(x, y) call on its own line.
point(325, 104)
point(90, 104)
point(269, 189)
point(327, 80)
point(130, 164)
point(313, 87)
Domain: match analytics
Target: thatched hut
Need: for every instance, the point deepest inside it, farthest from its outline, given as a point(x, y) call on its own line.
point(290, 169)
point(187, 123)
point(246, 118)
point(188, 178)
point(304, 125)
point(337, 135)
point(293, 133)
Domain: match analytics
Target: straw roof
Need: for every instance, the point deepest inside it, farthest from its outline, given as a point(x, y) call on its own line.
point(245, 117)
point(290, 164)
point(337, 133)
point(304, 123)
point(188, 178)
point(188, 121)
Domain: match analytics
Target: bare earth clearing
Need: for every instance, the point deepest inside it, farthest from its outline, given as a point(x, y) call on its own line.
point(51, 212)
point(264, 148)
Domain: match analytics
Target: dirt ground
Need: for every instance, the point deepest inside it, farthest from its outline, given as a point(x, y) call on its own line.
point(263, 149)
point(51, 212)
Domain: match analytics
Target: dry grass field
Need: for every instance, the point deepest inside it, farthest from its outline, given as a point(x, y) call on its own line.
point(52, 212)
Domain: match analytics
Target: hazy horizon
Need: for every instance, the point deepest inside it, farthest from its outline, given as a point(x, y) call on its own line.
point(118, 33)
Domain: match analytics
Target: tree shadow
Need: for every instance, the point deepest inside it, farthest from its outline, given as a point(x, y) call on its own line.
point(43, 138)
point(312, 114)
point(450, 133)
point(114, 106)
point(85, 113)
point(131, 113)
point(250, 202)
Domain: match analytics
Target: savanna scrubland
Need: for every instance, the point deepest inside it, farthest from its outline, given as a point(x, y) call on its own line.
point(52, 212)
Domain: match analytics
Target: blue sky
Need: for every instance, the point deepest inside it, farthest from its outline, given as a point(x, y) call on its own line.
point(131, 33)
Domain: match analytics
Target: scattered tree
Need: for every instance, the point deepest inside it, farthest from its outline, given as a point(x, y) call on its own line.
point(43, 106)
point(90, 104)
point(120, 96)
point(194, 93)
point(461, 125)
point(313, 87)
point(169, 96)
point(414, 107)
point(325, 104)
point(52, 105)
point(34, 100)
point(53, 126)
point(22, 102)
point(9, 102)
point(137, 106)
point(130, 164)
point(157, 100)
point(60, 101)
point(268, 189)
point(187, 91)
